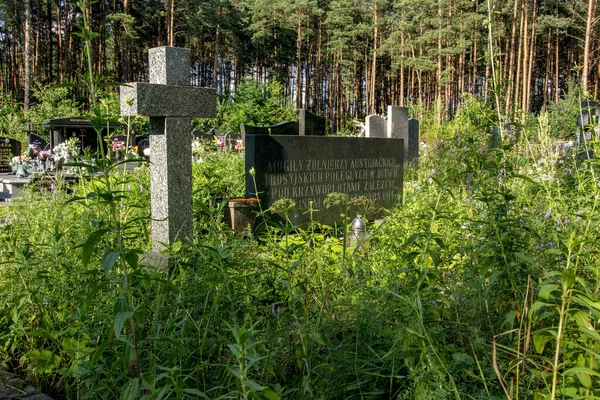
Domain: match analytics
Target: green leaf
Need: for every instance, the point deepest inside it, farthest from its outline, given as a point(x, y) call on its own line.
point(546, 290)
point(253, 385)
point(120, 320)
point(540, 338)
point(584, 375)
point(132, 390)
point(270, 395)
point(196, 392)
point(568, 276)
point(88, 246)
point(316, 336)
point(109, 259)
point(43, 361)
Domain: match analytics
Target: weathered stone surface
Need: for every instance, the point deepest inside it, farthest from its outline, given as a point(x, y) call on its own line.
point(375, 126)
point(413, 140)
point(170, 180)
point(169, 65)
point(308, 168)
point(310, 124)
point(159, 100)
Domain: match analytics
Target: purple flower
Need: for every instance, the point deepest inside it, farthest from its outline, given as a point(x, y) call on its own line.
point(548, 214)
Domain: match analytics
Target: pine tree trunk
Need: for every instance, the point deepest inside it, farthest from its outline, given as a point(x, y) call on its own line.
point(589, 26)
point(27, 55)
point(299, 66)
point(511, 64)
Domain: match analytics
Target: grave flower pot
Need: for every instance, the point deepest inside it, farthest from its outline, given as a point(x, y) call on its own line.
point(241, 213)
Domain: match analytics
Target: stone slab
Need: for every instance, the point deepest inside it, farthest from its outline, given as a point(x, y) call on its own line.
point(413, 140)
point(8, 149)
point(375, 126)
point(307, 168)
point(159, 100)
point(310, 124)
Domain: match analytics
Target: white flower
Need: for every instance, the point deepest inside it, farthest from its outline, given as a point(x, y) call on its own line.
point(147, 151)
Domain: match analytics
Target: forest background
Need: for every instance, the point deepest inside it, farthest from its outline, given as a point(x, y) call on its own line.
point(342, 58)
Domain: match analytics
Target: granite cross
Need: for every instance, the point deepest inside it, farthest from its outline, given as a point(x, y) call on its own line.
point(170, 102)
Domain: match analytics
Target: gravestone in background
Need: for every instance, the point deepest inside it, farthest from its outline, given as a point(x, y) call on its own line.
point(397, 120)
point(310, 124)
point(37, 142)
point(375, 127)
point(308, 168)
point(282, 128)
point(413, 140)
point(8, 149)
point(170, 102)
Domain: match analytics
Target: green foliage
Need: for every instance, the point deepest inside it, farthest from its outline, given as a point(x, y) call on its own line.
point(51, 102)
point(251, 103)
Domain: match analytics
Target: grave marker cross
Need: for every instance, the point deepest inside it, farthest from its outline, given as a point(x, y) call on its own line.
point(170, 102)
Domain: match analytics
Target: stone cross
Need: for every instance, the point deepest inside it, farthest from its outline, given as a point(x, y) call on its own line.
point(170, 102)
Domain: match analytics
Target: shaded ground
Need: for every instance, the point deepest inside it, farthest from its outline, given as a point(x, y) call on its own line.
point(13, 387)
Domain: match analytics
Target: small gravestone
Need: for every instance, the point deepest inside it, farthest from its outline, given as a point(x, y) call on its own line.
point(308, 168)
point(397, 121)
point(413, 140)
point(170, 102)
point(36, 142)
point(310, 124)
point(375, 127)
point(8, 149)
point(233, 141)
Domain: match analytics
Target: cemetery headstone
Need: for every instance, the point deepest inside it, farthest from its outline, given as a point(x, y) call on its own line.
point(375, 127)
point(233, 141)
point(8, 149)
point(397, 120)
point(413, 140)
point(308, 168)
point(37, 142)
point(310, 124)
point(170, 102)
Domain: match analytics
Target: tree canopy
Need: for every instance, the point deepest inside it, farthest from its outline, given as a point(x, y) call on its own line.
point(339, 57)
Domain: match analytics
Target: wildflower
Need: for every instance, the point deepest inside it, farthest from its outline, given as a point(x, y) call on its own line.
point(548, 214)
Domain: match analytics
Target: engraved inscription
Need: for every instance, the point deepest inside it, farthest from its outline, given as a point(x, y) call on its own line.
point(310, 181)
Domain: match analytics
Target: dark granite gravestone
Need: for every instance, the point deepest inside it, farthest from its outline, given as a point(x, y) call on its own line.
point(310, 124)
point(308, 168)
point(413, 139)
point(62, 129)
point(8, 149)
point(37, 142)
point(282, 128)
point(233, 142)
